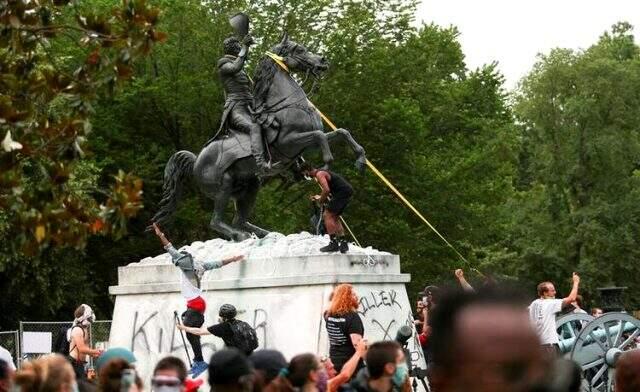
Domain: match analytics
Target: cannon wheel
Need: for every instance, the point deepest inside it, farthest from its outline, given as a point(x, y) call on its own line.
point(598, 347)
point(570, 324)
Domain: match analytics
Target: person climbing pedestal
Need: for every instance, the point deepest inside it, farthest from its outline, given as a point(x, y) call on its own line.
point(192, 272)
point(336, 193)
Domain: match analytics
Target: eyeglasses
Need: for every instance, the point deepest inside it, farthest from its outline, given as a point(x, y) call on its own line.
point(165, 381)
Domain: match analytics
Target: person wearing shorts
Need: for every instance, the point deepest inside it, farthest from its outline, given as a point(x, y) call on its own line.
point(336, 193)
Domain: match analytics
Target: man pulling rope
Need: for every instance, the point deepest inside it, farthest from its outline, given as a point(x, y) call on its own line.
point(338, 192)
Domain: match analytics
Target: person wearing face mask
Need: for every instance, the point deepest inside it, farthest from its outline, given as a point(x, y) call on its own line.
point(336, 193)
point(386, 370)
point(170, 375)
point(78, 338)
point(118, 375)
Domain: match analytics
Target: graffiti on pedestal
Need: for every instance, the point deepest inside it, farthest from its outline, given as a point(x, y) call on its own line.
point(377, 299)
point(382, 314)
point(156, 332)
point(260, 317)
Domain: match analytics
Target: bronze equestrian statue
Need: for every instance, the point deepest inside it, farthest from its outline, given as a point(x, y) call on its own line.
point(227, 168)
point(239, 108)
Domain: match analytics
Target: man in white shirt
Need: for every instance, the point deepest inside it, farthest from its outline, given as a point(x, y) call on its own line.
point(543, 310)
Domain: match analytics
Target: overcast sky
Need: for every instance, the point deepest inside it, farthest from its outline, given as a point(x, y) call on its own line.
point(512, 32)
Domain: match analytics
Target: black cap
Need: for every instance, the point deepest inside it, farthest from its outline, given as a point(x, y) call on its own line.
point(227, 311)
point(269, 361)
point(430, 290)
point(227, 366)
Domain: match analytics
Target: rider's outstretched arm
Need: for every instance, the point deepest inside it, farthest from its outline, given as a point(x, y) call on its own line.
point(234, 66)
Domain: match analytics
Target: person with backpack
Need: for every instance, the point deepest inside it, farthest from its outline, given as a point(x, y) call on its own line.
point(76, 343)
point(233, 332)
point(192, 271)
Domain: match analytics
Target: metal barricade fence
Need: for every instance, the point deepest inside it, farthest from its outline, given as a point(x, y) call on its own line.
point(54, 328)
point(10, 340)
point(98, 334)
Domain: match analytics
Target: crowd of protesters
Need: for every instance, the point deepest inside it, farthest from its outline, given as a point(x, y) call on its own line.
point(474, 340)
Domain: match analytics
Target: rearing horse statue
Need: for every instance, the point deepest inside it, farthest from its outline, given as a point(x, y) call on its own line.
point(225, 169)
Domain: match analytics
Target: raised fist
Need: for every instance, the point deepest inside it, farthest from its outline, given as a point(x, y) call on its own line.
point(459, 273)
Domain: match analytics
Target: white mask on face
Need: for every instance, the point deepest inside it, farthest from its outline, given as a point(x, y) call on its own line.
point(87, 317)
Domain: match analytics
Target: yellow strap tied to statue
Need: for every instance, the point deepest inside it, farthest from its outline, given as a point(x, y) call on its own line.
point(280, 61)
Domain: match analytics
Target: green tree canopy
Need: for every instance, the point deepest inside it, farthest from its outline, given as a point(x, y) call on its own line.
point(528, 187)
point(50, 199)
point(577, 207)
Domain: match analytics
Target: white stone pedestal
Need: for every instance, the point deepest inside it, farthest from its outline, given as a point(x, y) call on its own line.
point(281, 289)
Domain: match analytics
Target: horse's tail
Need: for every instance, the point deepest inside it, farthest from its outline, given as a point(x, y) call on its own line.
point(179, 169)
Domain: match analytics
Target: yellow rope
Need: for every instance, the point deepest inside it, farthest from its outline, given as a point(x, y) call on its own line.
point(279, 60)
point(344, 222)
point(384, 179)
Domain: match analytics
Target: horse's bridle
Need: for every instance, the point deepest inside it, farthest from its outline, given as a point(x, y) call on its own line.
point(311, 68)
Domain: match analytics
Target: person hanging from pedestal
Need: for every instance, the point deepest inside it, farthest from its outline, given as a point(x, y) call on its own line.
point(192, 271)
point(338, 192)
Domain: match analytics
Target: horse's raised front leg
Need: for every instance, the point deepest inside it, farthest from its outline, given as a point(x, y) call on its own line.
point(217, 220)
point(298, 142)
point(244, 207)
point(343, 134)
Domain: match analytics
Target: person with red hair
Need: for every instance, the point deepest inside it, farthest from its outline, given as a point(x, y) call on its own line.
point(344, 325)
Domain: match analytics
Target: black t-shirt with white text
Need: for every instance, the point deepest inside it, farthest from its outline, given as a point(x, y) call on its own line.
point(339, 329)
